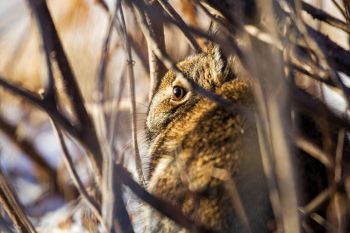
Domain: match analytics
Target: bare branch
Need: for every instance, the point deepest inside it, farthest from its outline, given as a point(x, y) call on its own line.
point(156, 67)
point(307, 146)
point(115, 109)
point(54, 45)
point(103, 4)
point(340, 9)
point(33, 154)
point(339, 156)
point(231, 186)
point(104, 60)
point(166, 208)
point(132, 99)
point(316, 203)
point(88, 140)
point(120, 211)
point(13, 208)
point(323, 16)
point(35, 99)
point(140, 51)
point(340, 57)
point(172, 65)
point(318, 48)
point(172, 12)
point(96, 209)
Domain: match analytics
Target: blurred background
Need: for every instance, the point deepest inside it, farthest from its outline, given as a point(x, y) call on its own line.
point(42, 184)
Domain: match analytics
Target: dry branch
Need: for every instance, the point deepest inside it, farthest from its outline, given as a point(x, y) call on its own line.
point(13, 208)
point(140, 6)
point(51, 40)
point(164, 207)
point(156, 67)
point(323, 16)
point(313, 150)
point(104, 61)
point(92, 203)
point(33, 154)
point(131, 78)
point(312, 55)
point(172, 12)
point(53, 44)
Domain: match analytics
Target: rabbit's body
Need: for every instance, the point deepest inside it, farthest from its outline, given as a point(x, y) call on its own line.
point(200, 151)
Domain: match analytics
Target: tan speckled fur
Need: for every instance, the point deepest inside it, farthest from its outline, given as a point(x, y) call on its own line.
point(191, 138)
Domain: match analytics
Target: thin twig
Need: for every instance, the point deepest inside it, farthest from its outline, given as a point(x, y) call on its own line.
point(303, 71)
point(115, 109)
point(268, 166)
point(104, 60)
point(52, 41)
point(338, 6)
point(302, 100)
point(317, 202)
point(232, 189)
point(140, 51)
point(339, 56)
point(103, 4)
point(54, 47)
point(172, 12)
point(51, 109)
point(276, 104)
point(167, 209)
point(325, 17)
point(29, 150)
point(346, 13)
point(339, 156)
point(263, 36)
point(156, 68)
point(191, 84)
point(318, 48)
point(13, 208)
point(15, 89)
point(317, 153)
point(132, 99)
point(115, 215)
point(94, 206)
point(321, 221)
point(120, 211)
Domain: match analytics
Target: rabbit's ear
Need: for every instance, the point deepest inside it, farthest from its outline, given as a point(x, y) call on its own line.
point(219, 62)
point(214, 51)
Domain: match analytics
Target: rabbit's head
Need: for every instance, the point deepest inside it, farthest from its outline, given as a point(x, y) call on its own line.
point(173, 95)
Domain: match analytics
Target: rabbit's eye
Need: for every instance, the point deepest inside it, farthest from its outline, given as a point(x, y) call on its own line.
point(178, 93)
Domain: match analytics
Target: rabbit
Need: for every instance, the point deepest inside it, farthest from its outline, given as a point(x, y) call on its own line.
point(200, 151)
